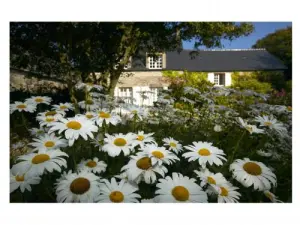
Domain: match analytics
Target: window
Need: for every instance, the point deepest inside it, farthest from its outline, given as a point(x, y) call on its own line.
point(154, 93)
point(219, 79)
point(155, 62)
point(125, 93)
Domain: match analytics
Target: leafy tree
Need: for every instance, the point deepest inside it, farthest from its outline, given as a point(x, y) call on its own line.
point(279, 44)
point(71, 50)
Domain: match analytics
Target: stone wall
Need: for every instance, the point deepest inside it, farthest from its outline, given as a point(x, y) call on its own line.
point(23, 81)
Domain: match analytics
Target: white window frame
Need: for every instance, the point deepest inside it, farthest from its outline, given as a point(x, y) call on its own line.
point(155, 64)
point(126, 92)
point(217, 79)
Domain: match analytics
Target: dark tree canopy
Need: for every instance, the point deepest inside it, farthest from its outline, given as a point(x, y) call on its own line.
point(279, 44)
point(72, 50)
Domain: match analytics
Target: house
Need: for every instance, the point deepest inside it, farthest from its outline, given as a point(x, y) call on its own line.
point(145, 80)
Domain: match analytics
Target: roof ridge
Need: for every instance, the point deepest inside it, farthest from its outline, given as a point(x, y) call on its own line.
point(228, 49)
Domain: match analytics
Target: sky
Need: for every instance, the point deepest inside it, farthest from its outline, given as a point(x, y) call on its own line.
point(261, 29)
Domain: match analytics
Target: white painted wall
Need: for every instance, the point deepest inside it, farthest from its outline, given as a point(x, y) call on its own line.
point(227, 79)
point(210, 77)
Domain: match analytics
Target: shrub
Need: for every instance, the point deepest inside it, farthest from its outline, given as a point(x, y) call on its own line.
point(250, 81)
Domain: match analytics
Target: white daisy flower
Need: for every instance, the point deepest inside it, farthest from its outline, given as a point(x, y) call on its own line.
point(48, 142)
point(90, 104)
point(20, 180)
point(63, 107)
point(91, 116)
point(249, 127)
point(62, 176)
point(158, 155)
point(39, 100)
point(109, 118)
point(37, 163)
point(140, 168)
point(122, 192)
point(92, 165)
point(37, 131)
point(208, 177)
point(137, 111)
point(173, 145)
point(227, 193)
point(217, 128)
point(55, 113)
point(48, 120)
point(179, 189)
point(142, 139)
point(114, 144)
point(74, 127)
point(88, 86)
point(205, 153)
point(254, 173)
point(271, 196)
point(78, 187)
point(264, 153)
point(272, 123)
point(22, 106)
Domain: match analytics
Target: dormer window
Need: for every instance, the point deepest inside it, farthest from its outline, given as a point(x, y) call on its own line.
point(155, 61)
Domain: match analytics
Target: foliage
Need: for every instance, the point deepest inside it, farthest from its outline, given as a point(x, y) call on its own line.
point(249, 81)
point(276, 79)
point(279, 44)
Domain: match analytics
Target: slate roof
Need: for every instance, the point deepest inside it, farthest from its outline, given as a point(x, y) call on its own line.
point(219, 61)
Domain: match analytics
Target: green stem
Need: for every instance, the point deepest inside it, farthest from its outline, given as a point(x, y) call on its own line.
point(236, 147)
point(24, 121)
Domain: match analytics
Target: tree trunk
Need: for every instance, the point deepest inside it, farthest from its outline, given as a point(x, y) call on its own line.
point(72, 93)
point(113, 83)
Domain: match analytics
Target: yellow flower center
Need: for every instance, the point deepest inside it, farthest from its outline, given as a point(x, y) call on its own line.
point(104, 115)
point(89, 102)
point(158, 154)
point(91, 164)
point(204, 152)
point(89, 116)
point(140, 137)
point(252, 168)
point(40, 158)
point(134, 111)
point(74, 125)
point(116, 196)
point(224, 191)
point(120, 142)
point(144, 163)
point(267, 124)
point(211, 180)
point(89, 84)
point(63, 107)
point(49, 144)
point(50, 113)
point(49, 119)
point(172, 144)
point(289, 108)
point(180, 193)
point(80, 185)
point(39, 100)
point(21, 106)
point(20, 178)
